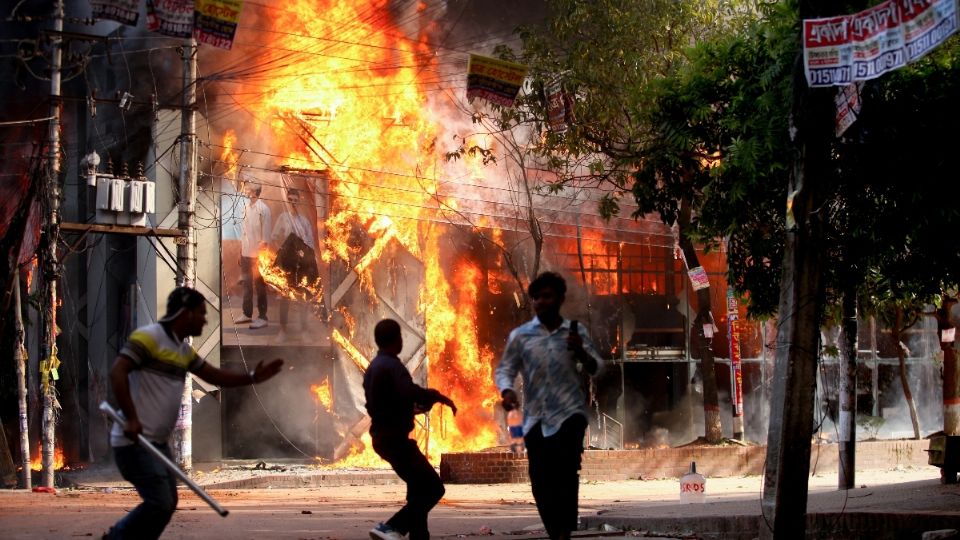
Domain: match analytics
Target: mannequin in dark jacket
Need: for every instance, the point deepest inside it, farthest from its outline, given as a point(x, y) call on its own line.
point(392, 400)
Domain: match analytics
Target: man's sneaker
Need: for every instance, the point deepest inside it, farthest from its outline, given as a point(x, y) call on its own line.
point(258, 323)
point(384, 532)
point(243, 320)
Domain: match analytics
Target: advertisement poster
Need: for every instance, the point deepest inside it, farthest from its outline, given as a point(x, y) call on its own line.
point(494, 80)
point(272, 274)
point(698, 277)
point(215, 22)
point(733, 335)
point(841, 50)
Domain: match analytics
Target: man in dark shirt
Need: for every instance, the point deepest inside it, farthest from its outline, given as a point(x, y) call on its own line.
point(392, 400)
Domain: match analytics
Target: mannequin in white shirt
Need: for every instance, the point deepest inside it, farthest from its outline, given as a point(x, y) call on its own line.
point(255, 232)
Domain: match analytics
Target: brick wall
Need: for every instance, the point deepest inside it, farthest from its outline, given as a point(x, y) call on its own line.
point(712, 461)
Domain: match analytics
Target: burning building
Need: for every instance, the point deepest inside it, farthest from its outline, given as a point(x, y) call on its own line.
point(401, 231)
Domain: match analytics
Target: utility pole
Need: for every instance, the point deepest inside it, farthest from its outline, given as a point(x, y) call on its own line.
point(736, 368)
point(787, 468)
point(847, 400)
point(50, 265)
point(951, 369)
point(20, 357)
point(187, 244)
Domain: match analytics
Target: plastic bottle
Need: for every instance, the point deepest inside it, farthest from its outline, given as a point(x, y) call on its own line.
point(515, 426)
point(693, 486)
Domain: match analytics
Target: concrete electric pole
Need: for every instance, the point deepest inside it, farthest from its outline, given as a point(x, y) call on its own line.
point(50, 264)
point(187, 244)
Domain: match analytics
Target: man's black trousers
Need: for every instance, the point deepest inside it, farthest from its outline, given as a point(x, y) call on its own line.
point(555, 474)
point(424, 487)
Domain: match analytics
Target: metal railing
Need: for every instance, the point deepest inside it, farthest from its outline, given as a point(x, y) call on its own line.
point(611, 432)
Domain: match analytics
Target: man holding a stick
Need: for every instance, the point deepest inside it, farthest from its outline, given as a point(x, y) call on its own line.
point(148, 380)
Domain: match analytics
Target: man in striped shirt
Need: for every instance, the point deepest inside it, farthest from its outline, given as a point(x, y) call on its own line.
point(550, 356)
point(148, 379)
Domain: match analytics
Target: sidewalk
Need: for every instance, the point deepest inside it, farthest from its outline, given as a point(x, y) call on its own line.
point(894, 504)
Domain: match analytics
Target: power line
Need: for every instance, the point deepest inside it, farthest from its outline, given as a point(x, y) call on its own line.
point(377, 187)
point(373, 171)
point(26, 122)
point(446, 221)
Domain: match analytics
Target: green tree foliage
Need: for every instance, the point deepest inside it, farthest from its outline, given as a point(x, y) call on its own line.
point(897, 177)
point(721, 140)
point(722, 124)
point(606, 55)
point(693, 120)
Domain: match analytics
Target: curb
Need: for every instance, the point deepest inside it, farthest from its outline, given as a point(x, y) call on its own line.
point(821, 526)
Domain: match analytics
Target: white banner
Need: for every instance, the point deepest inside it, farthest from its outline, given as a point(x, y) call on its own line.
point(840, 50)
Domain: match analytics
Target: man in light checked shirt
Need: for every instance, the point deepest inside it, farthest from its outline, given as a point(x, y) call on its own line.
point(550, 358)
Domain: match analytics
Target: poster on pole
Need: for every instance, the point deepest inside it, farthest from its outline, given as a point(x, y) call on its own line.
point(827, 51)
point(494, 80)
point(733, 337)
point(926, 24)
point(215, 22)
point(557, 107)
point(847, 101)
point(841, 50)
point(122, 11)
point(172, 18)
point(876, 37)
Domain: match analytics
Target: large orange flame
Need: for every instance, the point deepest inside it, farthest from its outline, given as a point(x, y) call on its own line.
point(361, 456)
point(229, 155)
point(465, 374)
point(357, 109)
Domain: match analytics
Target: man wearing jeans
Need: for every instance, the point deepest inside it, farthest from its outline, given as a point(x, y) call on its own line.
point(254, 234)
point(550, 354)
point(148, 379)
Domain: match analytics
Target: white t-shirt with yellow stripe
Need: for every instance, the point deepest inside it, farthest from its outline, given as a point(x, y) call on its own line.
point(156, 385)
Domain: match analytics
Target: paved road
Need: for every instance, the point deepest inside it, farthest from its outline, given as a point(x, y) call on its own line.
point(348, 512)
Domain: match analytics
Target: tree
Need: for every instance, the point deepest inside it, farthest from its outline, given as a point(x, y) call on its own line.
point(605, 56)
point(733, 134)
point(894, 192)
point(731, 131)
point(839, 228)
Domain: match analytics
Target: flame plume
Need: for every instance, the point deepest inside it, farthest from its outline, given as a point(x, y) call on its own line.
point(355, 107)
point(323, 394)
point(36, 463)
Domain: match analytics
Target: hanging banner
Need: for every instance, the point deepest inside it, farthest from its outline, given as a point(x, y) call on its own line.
point(123, 11)
point(826, 51)
point(557, 107)
point(840, 50)
point(733, 336)
point(847, 101)
point(172, 18)
point(215, 22)
point(698, 277)
point(876, 39)
point(494, 80)
point(926, 24)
